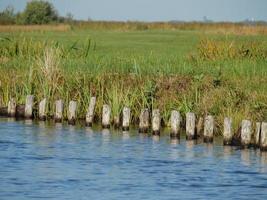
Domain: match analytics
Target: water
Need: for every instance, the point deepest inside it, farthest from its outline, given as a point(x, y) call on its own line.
point(63, 162)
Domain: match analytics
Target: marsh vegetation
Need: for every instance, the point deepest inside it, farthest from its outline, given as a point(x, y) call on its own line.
point(209, 69)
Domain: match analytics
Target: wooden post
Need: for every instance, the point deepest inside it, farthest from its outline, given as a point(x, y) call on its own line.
point(200, 127)
point(208, 129)
point(144, 121)
point(190, 126)
point(90, 112)
point(42, 112)
point(126, 118)
point(257, 135)
point(106, 116)
point(227, 131)
point(72, 112)
point(29, 107)
point(175, 124)
point(156, 122)
point(263, 144)
point(59, 111)
point(246, 133)
point(11, 108)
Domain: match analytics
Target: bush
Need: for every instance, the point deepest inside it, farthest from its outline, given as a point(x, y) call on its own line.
point(39, 12)
point(7, 16)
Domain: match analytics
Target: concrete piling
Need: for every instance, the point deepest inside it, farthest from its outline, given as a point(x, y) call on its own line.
point(29, 107)
point(90, 112)
point(11, 108)
point(59, 111)
point(208, 129)
point(72, 112)
point(175, 122)
point(126, 118)
point(190, 126)
point(246, 133)
point(144, 121)
point(156, 122)
point(227, 131)
point(263, 137)
point(106, 116)
point(42, 110)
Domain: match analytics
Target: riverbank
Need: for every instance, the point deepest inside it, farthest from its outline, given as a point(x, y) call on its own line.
point(187, 70)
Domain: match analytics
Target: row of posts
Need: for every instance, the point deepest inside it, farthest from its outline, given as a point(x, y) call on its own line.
point(193, 129)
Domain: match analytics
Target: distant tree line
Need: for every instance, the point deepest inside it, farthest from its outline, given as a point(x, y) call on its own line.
point(36, 12)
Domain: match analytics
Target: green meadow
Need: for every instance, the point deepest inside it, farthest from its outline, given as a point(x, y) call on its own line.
point(222, 74)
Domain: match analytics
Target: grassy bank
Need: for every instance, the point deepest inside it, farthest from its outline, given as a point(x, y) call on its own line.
point(188, 70)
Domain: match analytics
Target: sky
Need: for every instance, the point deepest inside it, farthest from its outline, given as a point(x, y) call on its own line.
point(156, 10)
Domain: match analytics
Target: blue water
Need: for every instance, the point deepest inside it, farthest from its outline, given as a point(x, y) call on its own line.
point(39, 160)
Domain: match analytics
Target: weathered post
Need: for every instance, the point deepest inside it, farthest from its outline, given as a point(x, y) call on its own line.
point(263, 144)
point(126, 118)
point(156, 121)
point(208, 129)
point(144, 121)
point(175, 124)
point(11, 108)
point(106, 116)
point(90, 112)
point(72, 112)
point(257, 135)
point(59, 111)
point(200, 127)
point(227, 131)
point(42, 112)
point(190, 126)
point(246, 133)
point(29, 107)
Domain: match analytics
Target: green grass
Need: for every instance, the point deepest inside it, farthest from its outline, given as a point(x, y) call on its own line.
point(153, 67)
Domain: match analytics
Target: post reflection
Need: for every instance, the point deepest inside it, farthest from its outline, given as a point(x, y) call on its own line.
point(105, 135)
point(263, 162)
point(125, 135)
point(28, 122)
point(227, 151)
point(174, 141)
point(155, 138)
point(245, 156)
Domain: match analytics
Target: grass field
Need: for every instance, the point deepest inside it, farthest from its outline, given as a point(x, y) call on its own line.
point(189, 70)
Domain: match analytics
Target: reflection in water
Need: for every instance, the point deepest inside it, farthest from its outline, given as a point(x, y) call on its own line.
point(41, 124)
point(11, 119)
point(125, 135)
point(71, 128)
point(263, 159)
point(106, 135)
point(58, 126)
point(155, 138)
point(245, 156)
point(89, 131)
point(174, 141)
point(209, 149)
point(190, 144)
point(143, 136)
point(227, 151)
point(28, 121)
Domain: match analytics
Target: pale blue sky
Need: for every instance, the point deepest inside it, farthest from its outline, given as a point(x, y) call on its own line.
point(157, 10)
